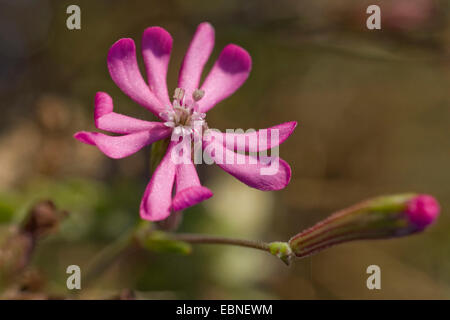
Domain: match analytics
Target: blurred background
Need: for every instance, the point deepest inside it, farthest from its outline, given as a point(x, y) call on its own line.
point(373, 109)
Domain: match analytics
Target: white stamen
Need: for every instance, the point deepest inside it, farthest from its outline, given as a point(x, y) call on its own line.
point(182, 116)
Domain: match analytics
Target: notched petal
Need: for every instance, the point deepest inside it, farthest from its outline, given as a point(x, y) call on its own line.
point(106, 119)
point(196, 57)
point(190, 196)
point(118, 147)
point(156, 49)
point(229, 72)
point(124, 70)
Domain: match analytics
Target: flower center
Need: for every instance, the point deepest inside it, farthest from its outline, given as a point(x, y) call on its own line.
point(182, 117)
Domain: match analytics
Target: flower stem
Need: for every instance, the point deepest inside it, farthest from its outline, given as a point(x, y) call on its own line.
point(107, 256)
point(207, 239)
point(110, 254)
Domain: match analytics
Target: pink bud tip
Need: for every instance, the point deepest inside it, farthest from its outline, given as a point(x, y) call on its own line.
point(422, 210)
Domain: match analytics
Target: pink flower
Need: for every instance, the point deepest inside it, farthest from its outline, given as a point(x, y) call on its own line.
point(189, 106)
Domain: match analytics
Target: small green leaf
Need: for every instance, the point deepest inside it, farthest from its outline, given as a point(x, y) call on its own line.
point(159, 241)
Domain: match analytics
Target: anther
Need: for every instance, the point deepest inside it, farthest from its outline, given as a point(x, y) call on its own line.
point(198, 94)
point(179, 94)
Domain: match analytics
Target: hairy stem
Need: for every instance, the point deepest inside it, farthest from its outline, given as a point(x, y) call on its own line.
point(207, 239)
point(105, 258)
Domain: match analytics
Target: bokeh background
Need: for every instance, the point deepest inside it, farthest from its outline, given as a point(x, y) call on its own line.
point(373, 109)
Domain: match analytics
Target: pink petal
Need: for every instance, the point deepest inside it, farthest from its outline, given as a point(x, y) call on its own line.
point(422, 210)
point(228, 73)
point(189, 190)
point(256, 141)
point(157, 200)
point(117, 147)
point(250, 170)
point(189, 197)
point(124, 71)
point(156, 48)
point(106, 119)
point(196, 57)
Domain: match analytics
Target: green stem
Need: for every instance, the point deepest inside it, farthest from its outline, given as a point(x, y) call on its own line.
point(110, 254)
point(207, 239)
point(106, 257)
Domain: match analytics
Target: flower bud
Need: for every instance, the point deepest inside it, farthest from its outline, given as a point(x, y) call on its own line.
point(378, 218)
